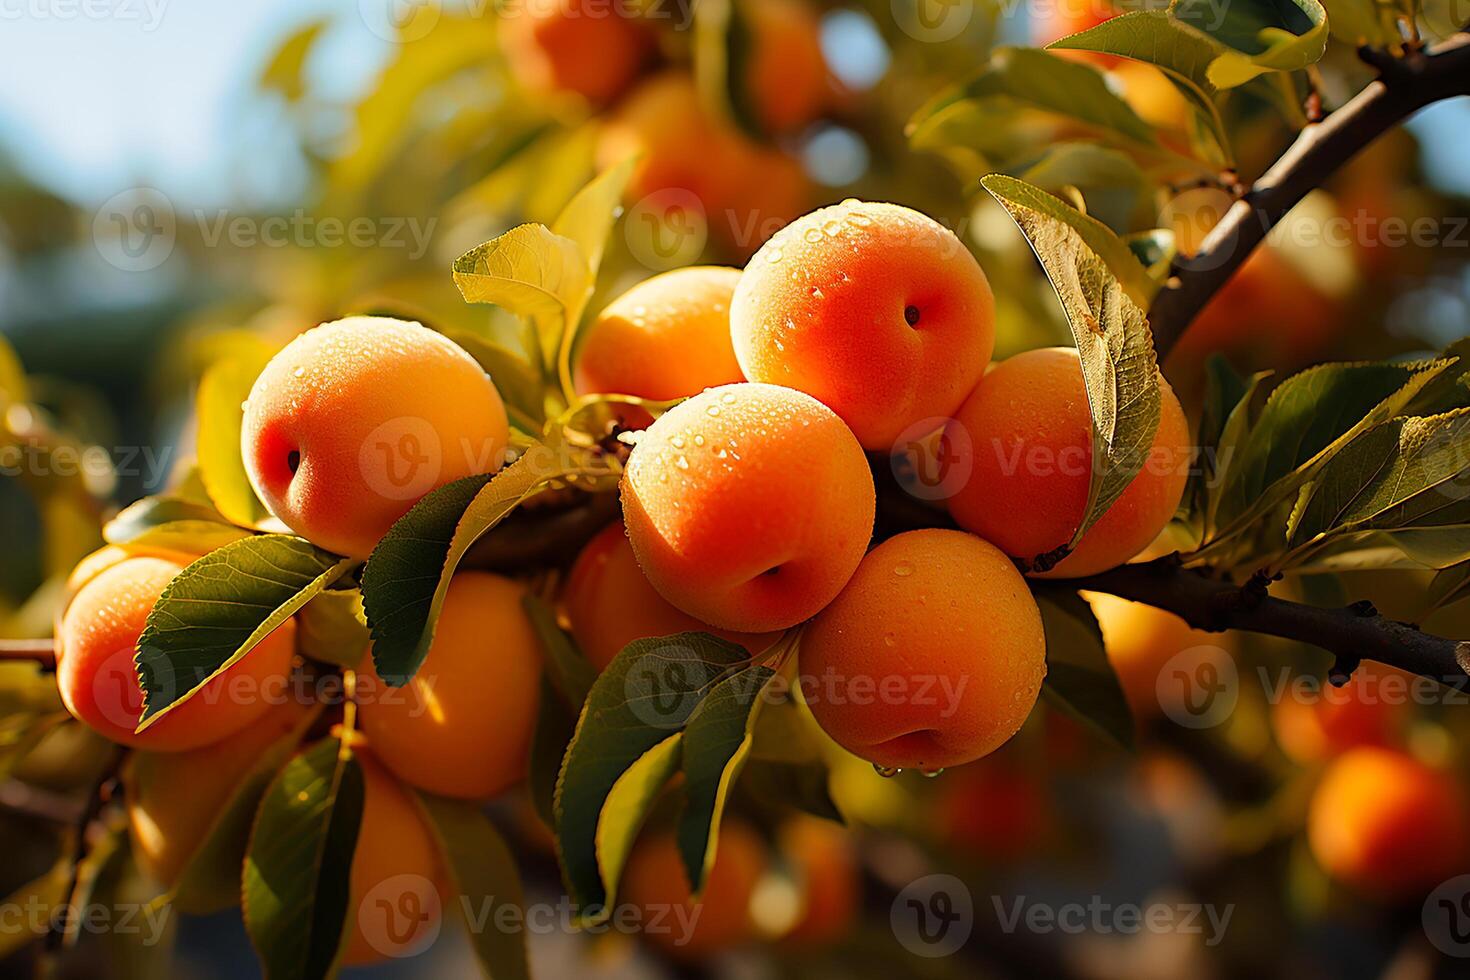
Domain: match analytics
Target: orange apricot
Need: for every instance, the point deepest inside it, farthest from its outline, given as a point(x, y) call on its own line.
point(462, 725)
point(611, 603)
point(1141, 640)
point(1386, 824)
point(787, 73)
point(748, 506)
point(396, 885)
point(1028, 427)
point(826, 869)
point(595, 50)
point(667, 337)
point(99, 682)
point(720, 918)
point(353, 421)
point(932, 656)
point(876, 310)
point(1368, 710)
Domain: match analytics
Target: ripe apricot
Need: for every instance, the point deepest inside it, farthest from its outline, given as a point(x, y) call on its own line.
point(1368, 710)
point(396, 886)
point(594, 50)
point(353, 421)
point(462, 725)
point(174, 798)
point(99, 683)
point(876, 310)
point(1067, 17)
point(1150, 94)
point(611, 603)
point(1386, 824)
point(748, 506)
point(1028, 427)
point(826, 869)
point(787, 73)
point(667, 337)
point(656, 883)
point(1140, 640)
point(932, 656)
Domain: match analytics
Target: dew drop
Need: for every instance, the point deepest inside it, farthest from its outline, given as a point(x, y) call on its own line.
point(678, 442)
point(889, 641)
point(728, 398)
point(682, 462)
point(774, 255)
point(860, 220)
point(817, 292)
point(887, 772)
point(699, 440)
point(300, 372)
point(931, 773)
point(713, 411)
point(902, 571)
point(812, 235)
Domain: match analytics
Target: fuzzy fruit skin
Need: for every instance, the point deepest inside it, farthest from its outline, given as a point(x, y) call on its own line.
point(575, 46)
point(824, 307)
point(655, 880)
point(787, 73)
point(611, 603)
point(740, 481)
point(1029, 431)
point(380, 411)
point(462, 725)
point(394, 868)
point(174, 798)
point(99, 684)
point(942, 622)
point(1387, 825)
point(667, 337)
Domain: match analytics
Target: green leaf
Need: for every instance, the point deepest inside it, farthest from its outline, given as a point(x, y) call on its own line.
point(485, 879)
point(570, 673)
point(408, 573)
point(286, 71)
point(332, 628)
point(587, 220)
point(171, 522)
point(530, 271)
point(556, 722)
point(1404, 473)
point(1111, 181)
point(1029, 78)
point(219, 406)
point(717, 740)
point(295, 885)
point(1111, 332)
point(628, 733)
point(724, 42)
point(218, 608)
point(1449, 586)
point(1080, 680)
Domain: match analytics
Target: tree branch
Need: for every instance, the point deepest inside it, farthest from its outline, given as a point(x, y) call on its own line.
point(1350, 633)
point(1404, 86)
point(41, 652)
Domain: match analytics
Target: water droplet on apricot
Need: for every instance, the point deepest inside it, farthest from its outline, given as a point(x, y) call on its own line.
point(887, 772)
point(903, 571)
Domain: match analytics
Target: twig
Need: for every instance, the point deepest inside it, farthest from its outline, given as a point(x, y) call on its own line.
point(1405, 85)
point(1351, 633)
point(41, 652)
point(101, 794)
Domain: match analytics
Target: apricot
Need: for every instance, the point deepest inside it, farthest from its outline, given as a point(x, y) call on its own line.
point(667, 337)
point(462, 725)
point(1150, 94)
point(353, 421)
point(932, 656)
point(592, 49)
point(1368, 710)
point(611, 603)
point(826, 869)
point(748, 506)
point(396, 886)
point(99, 683)
point(174, 798)
point(1140, 640)
point(1386, 824)
point(876, 310)
point(686, 928)
point(787, 72)
point(1063, 18)
point(1028, 427)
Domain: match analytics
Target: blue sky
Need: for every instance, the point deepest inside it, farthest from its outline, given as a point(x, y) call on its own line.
point(150, 91)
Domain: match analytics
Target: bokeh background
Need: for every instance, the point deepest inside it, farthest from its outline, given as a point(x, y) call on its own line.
point(170, 171)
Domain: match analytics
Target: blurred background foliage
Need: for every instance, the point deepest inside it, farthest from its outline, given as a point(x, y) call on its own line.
point(439, 138)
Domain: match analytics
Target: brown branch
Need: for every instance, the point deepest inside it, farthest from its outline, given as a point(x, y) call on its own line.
point(1404, 86)
point(1351, 633)
point(41, 652)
